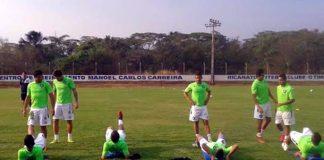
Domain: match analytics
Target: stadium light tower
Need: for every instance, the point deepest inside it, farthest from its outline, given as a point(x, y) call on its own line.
point(213, 23)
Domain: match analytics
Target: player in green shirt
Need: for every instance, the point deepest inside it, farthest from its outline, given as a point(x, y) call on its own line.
point(200, 94)
point(37, 93)
point(310, 144)
point(262, 110)
point(115, 145)
point(284, 113)
point(31, 151)
point(63, 88)
point(216, 150)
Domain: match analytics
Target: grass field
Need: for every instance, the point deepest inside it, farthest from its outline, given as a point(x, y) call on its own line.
point(156, 121)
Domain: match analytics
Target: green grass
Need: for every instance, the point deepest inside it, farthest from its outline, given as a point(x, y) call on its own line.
point(156, 121)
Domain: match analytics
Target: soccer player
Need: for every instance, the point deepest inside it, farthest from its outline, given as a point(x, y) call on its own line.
point(262, 110)
point(284, 114)
point(218, 149)
point(23, 82)
point(37, 93)
point(310, 144)
point(33, 149)
point(200, 94)
point(63, 88)
point(115, 145)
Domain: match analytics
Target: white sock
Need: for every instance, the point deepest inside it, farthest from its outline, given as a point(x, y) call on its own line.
point(262, 131)
point(70, 136)
point(56, 137)
point(120, 122)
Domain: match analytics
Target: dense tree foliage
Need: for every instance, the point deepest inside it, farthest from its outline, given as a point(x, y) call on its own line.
point(174, 53)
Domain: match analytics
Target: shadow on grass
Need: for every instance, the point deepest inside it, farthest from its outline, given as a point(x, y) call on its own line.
point(242, 154)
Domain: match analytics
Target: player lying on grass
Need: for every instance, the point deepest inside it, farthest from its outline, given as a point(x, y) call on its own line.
point(33, 149)
point(310, 144)
point(216, 150)
point(115, 145)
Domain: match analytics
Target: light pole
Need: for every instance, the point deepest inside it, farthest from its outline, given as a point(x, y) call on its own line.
point(212, 24)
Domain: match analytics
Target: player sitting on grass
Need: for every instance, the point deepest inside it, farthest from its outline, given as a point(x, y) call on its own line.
point(216, 150)
point(33, 149)
point(310, 144)
point(115, 145)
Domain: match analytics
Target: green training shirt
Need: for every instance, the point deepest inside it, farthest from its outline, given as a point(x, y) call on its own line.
point(35, 154)
point(284, 94)
point(214, 146)
point(119, 147)
point(63, 90)
point(307, 148)
point(198, 92)
point(38, 93)
point(261, 89)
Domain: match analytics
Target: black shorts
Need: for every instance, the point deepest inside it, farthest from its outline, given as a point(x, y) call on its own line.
point(23, 96)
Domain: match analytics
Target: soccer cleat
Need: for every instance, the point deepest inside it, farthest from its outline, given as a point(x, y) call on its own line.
point(282, 138)
point(261, 140)
point(55, 141)
point(120, 115)
point(284, 146)
point(70, 141)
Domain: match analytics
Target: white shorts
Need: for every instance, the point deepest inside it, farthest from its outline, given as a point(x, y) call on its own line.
point(266, 111)
point(40, 140)
point(296, 136)
point(39, 117)
point(122, 134)
point(198, 112)
point(204, 141)
point(64, 111)
point(287, 118)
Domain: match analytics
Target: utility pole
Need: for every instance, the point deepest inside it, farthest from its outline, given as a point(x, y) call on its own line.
point(212, 24)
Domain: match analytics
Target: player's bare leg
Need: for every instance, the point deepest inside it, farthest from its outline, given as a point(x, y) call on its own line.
point(56, 131)
point(120, 121)
point(69, 130)
point(259, 132)
point(31, 130)
point(282, 135)
point(207, 129)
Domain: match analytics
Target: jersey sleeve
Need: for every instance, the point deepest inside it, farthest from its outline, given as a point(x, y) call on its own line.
point(227, 150)
point(71, 84)
point(104, 149)
point(39, 154)
point(48, 88)
point(188, 89)
point(291, 94)
point(254, 88)
point(207, 87)
point(54, 86)
point(21, 155)
point(28, 90)
point(125, 149)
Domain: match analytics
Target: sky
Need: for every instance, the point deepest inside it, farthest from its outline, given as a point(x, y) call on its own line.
point(120, 18)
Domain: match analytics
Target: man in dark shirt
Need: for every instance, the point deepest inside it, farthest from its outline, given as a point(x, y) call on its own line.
point(24, 81)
